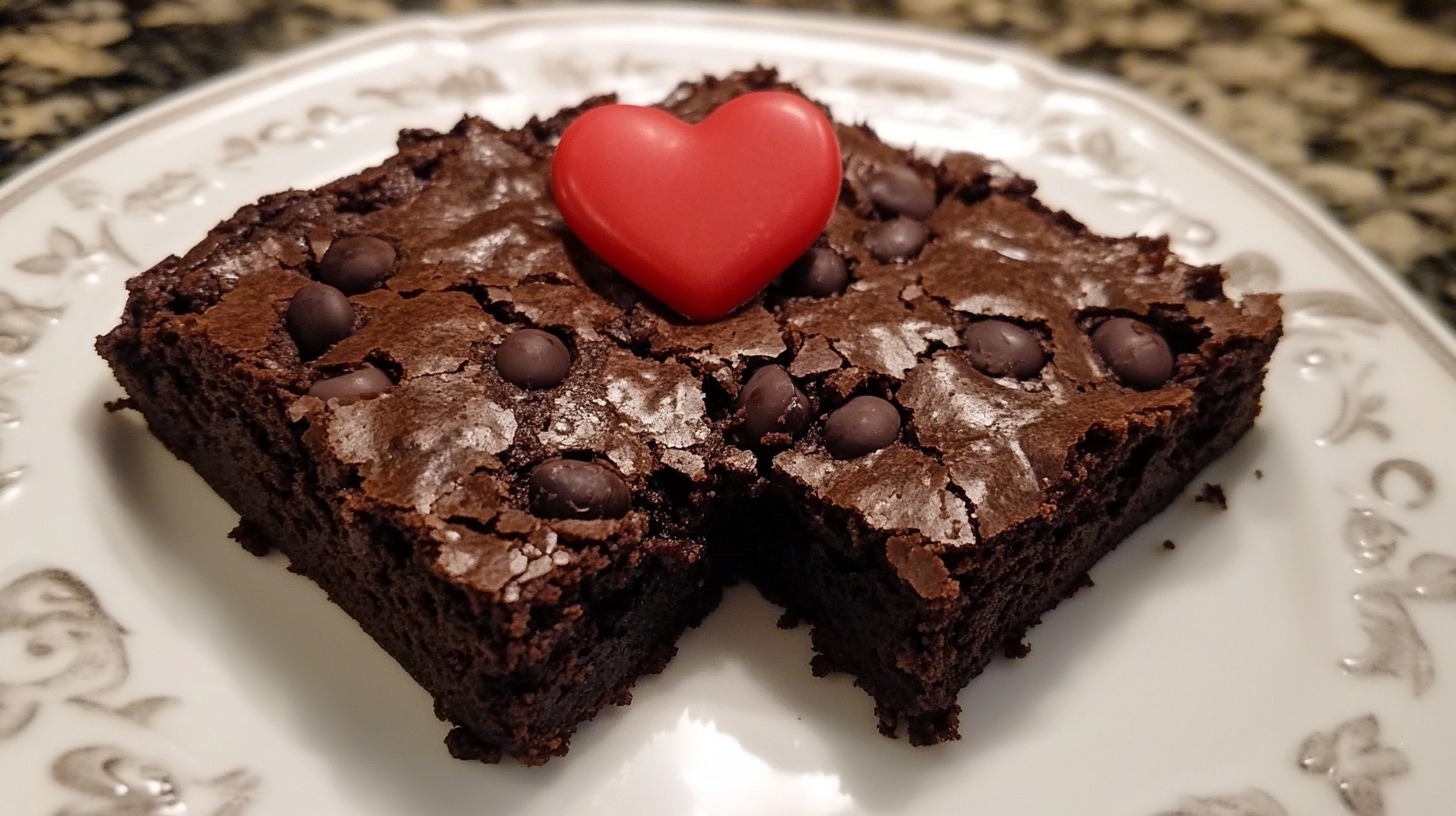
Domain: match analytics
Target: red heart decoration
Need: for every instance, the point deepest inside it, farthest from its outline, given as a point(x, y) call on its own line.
point(701, 216)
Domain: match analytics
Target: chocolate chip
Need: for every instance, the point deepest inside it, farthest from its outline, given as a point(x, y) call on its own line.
point(899, 190)
point(771, 404)
point(356, 385)
point(1000, 349)
point(860, 426)
point(318, 317)
point(897, 240)
point(571, 489)
point(820, 272)
point(357, 263)
point(1138, 356)
point(532, 358)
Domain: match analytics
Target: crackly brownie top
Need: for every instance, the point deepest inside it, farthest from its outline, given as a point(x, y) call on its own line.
point(925, 369)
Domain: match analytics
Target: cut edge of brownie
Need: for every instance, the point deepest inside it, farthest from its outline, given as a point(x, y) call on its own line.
point(384, 574)
point(913, 624)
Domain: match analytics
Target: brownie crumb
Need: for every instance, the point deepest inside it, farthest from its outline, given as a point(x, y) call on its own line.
point(1169, 545)
point(1258, 474)
point(1212, 494)
point(822, 666)
point(1017, 649)
point(464, 745)
point(252, 541)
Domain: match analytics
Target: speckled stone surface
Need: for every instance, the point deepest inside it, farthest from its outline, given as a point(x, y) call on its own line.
point(1354, 100)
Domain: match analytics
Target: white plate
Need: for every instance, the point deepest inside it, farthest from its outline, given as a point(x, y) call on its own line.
point(1294, 655)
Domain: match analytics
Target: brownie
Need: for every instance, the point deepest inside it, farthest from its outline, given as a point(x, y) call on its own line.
point(525, 478)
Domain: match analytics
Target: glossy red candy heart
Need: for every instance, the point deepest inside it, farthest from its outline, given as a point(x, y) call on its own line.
point(701, 216)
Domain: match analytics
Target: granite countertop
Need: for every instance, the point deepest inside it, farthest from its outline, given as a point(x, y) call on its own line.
point(1354, 100)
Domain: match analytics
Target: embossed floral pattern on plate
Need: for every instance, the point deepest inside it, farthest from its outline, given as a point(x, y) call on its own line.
point(165, 671)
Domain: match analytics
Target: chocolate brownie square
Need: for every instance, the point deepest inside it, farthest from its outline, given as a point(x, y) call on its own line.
point(525, 478)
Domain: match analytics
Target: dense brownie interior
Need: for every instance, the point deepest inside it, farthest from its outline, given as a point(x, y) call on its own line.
point(525, 478)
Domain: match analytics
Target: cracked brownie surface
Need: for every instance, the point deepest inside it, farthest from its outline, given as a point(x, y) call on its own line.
point(960, 400)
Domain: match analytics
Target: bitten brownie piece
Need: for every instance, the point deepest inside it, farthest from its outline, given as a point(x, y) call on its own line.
point(524, 477)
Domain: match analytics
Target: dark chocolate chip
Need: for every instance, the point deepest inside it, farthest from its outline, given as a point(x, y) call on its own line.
point(1138, 356)
point(532, 358)
point(318, 317)
point(365, 382)
point(897, 240)
point(357, 263)
point(860, 426)
point(1000, 349)
point(820, 272)
point(899, 190)
point(771, 403)
point(571, 489)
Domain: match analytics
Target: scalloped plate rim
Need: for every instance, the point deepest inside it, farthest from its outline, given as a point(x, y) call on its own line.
point(1375, 275)
point(1334, 244)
